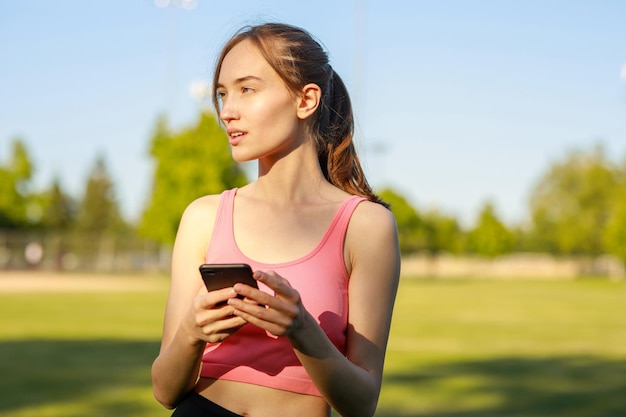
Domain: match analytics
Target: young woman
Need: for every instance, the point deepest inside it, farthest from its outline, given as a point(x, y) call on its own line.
point(323, 247)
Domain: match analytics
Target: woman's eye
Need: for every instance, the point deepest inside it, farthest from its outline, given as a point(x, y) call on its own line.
point(246, 90)
point(220, 100)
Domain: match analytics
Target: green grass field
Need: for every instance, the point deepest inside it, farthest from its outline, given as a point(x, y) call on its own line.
point(457, 349)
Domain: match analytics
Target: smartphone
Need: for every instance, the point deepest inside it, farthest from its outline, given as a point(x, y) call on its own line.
point(218, 276)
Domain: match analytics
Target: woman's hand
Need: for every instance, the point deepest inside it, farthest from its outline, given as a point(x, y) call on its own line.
point(212, 318)
point(281, 314)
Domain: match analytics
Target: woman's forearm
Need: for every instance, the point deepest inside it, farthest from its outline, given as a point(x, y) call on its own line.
point(175, 371)
point(348, 388)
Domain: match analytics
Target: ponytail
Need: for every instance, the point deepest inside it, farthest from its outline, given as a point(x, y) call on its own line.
point(337, 155)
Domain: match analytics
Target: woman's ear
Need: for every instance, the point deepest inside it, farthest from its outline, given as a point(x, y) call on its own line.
point(309, 100)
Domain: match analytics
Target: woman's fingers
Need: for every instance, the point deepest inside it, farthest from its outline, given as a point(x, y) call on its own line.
point(214, 318)
point(278, 314)
point(214, 298)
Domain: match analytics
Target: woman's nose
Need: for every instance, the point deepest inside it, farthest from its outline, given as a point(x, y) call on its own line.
point(228, 110)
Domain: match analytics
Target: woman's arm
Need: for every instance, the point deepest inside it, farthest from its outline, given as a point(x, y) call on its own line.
point(192, 315)
point(350, 384)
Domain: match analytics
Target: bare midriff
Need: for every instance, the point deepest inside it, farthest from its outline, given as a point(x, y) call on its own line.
point(257, 401)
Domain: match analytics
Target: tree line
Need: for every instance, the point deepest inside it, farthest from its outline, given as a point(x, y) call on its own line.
point(578, 206)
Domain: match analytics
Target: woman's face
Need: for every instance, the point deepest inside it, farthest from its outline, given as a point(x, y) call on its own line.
point(257, 109)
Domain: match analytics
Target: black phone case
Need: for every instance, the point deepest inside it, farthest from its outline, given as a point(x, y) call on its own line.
point(218, 276)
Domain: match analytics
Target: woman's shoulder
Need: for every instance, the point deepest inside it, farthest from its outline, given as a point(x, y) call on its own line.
point(196, 225)
point(203, 204)
point(371, 222)
point(369, 213)
point(201, 211)
point(211, 201)
point(372, 240)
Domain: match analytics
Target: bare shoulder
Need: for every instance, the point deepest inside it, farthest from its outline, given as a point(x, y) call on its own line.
point(372, 235)
point(371, 218)
point(196, 225)
point(202, 208)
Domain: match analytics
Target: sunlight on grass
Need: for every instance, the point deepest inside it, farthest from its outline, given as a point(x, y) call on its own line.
point(457, 349)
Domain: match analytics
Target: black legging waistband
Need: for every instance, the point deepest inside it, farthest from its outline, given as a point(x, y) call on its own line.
point(195, 405)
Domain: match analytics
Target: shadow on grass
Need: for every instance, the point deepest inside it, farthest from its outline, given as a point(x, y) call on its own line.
point(39, 372)
point(578, 386)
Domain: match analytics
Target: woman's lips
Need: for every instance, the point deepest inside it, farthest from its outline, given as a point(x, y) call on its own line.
point(235, 137)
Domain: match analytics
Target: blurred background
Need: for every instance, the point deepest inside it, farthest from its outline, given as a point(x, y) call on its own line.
point(496, 130)
point(494, 127)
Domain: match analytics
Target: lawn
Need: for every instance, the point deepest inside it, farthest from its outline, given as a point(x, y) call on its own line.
point(457, 349)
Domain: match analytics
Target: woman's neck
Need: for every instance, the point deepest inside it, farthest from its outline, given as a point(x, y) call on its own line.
point(294, 178)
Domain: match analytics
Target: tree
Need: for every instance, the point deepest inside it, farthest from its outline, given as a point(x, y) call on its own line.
point(59, 209)
point(15, 179)
point(614, 235)
point(98, 210)
point(572, 203)
point(443, 233)
point(490, 237)
point(189, 164)
point(410, 225)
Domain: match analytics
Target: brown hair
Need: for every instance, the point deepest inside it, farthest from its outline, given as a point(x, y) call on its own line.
point(300, 60)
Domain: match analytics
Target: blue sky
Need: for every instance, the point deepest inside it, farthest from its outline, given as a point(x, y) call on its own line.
point(457, 102)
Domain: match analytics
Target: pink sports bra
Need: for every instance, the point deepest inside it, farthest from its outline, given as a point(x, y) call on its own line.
point(253, 356)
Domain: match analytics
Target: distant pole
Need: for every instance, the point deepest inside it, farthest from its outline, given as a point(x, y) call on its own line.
point(171, 47)
point(359, 45)
point(377, 148)
point(171, 56)
point(623, 74)
point(359, 50)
